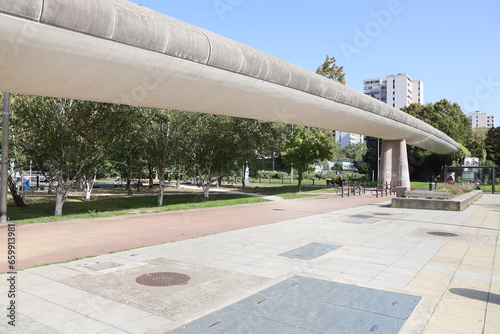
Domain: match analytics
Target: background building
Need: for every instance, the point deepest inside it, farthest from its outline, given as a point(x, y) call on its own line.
point(346, 138)
point(479, 119)
point(396, 90)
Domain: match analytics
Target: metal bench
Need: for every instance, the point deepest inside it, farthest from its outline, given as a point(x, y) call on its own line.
point(427, 194)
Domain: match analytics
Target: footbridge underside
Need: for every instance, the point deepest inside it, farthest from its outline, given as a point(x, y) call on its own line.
point(119, 52)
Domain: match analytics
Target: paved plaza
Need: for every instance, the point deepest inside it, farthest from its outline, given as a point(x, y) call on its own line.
point(317, 265)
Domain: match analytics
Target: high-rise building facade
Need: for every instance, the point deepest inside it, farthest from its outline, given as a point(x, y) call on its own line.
point(397, 90)
point(479, 119)
point(346, 138)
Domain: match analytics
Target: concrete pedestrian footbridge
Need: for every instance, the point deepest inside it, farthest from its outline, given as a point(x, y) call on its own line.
point(119, 52)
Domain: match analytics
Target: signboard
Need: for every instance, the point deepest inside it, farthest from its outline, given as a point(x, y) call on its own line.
point(471, 162)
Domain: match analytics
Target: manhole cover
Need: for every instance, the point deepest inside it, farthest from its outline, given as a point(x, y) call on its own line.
point(443, 234)
point(163, 279)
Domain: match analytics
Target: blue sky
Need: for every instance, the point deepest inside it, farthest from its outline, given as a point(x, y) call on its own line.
point(453, 47)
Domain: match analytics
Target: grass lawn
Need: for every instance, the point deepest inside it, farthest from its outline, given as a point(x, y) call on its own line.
point(41, 209)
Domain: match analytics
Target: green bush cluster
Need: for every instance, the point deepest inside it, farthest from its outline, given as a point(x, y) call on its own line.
point(264, 174)
point(456, 188)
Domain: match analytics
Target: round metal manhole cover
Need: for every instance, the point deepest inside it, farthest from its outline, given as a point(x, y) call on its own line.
point(163, 279)
point(443, 234)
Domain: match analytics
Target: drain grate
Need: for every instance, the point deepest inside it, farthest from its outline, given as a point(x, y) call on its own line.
point(443, 234)
point(163, 279)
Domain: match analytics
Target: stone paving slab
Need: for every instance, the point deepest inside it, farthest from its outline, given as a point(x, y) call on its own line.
point(379, 271)
point(319, 306)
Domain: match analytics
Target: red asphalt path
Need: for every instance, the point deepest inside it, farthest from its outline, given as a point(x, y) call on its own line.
point(45, 243)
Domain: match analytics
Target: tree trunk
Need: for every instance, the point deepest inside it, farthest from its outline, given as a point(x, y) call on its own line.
point(139, 182)
point(18, 199)
point(178, 181)
point(300, 181)
point(88, 186)
point(150, 176)
point(128, 170)
point(162, 185)
point(219, 182)
point(160, 193)
point(62, 191)
point(206, 190)
point(244, 174)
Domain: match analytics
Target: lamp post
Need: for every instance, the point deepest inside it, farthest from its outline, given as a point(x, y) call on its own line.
point(5, 158)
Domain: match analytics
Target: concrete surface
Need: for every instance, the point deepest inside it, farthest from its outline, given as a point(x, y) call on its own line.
point(119, 52)
point(384, 249)
point(458, 203)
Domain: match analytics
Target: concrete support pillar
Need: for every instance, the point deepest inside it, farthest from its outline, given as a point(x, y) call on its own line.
point(394, 163)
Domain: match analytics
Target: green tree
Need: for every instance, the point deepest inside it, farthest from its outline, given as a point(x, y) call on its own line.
point(477, 144)
point(66, 138)
point(330, 70)
point(448, 118)
point(492, 143)
point(305, 147)
point(444, 116)
point(210, 148)
point(355, 151)
point(164, 131)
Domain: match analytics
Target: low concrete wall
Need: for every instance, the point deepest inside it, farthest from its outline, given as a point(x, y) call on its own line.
point(456, 204)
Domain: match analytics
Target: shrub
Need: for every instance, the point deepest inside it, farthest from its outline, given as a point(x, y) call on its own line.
point(264, 174)
point(457, 188)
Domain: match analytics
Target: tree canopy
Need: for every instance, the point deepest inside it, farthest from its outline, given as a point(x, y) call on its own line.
point(330, 70)
point(307, 146)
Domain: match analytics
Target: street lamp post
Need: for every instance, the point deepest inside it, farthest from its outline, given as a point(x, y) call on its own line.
point(5, 158)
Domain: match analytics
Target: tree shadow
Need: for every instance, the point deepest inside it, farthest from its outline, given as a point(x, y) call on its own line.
point(477, 294)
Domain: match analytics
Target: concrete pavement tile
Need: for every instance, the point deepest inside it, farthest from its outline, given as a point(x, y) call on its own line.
point(372, 266)
point(54, 272)
point(46, 289)
point(387, 284)
point(493, 318)
point(394, 269)
point(34, 305)
point(490, 329)
point(361, 272)
point(353, 278)
point(120, 315)
point(421, 291)
point(250, 270)
point(397, 279)
point(477, 302)
point(469, 283)
point(440, 270)
point(322, 272)
point(55, 317)
point(333, 266)
point(24, 325)
point(457, 324)
point(27, 279)
point(381, 260)
point(80, 301)
point(460, 310)
point(432, 329)
point(408, 264)
point(273, 273)
point(146, 324)
point(430, 280)
point(473, 275)
point(444, 261)
point(475, 269)
point(85, 324)
point(113, 330)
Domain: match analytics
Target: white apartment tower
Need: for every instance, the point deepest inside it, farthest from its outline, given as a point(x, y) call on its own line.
point(397, 91)
point(479, 119)
point(346, 138)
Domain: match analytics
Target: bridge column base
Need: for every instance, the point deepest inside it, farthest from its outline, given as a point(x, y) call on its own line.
point(394, 163)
